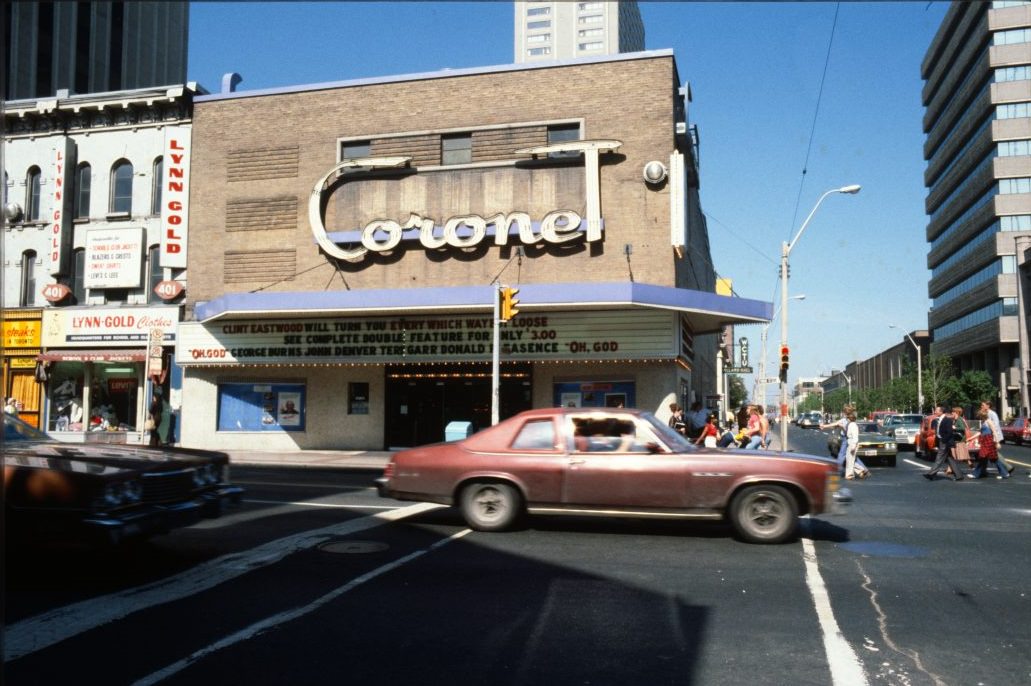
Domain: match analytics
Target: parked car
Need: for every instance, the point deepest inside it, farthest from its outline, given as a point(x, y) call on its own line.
point(612, 462)
point(904, 428)
point(810, 420)
point(1017, 430)
point(874, 445)
point(106, 493)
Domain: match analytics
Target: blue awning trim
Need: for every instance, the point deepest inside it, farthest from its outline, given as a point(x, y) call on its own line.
point(707, 311)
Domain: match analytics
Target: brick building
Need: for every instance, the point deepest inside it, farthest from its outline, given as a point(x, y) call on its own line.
point(347, 241)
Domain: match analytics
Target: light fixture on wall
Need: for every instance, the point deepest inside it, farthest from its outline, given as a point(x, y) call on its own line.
point(655, 172)
point(12, 211)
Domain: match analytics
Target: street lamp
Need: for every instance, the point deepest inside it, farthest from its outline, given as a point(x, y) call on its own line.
point(919, 373)
point(761, 380)
point(848, 379)
point(785, 250)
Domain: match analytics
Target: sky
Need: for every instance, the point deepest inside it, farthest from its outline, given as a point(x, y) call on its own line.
point(790, 100)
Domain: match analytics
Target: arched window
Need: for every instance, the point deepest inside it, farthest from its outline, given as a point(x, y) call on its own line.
point(83, 177)
point(156, 273)
point(32, 209)
point(155, 186)
point(28, 279)
point(121, 187)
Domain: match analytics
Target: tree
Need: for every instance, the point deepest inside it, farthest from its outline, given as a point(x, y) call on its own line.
point(937, 372)
point(736, 393)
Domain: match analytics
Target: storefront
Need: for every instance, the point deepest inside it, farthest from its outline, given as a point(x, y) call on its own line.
point(21, 382)
point(348, 287)
point(96, 362)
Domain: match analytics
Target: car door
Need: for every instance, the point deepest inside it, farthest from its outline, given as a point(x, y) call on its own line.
point(619, 461)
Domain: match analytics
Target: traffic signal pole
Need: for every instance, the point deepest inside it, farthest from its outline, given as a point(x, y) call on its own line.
point(495, 376)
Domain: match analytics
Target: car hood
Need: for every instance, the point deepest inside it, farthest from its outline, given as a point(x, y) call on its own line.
point(103, 457)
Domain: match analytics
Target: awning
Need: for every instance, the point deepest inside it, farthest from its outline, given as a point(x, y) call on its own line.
point(707, 312)
point(111, 355)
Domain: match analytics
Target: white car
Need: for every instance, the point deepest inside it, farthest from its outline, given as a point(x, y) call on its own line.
point(904, 428)
point(810, 420)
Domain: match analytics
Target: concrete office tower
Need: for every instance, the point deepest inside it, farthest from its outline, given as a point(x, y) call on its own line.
point(977, 95)
point(563, 30)
point(92, 47)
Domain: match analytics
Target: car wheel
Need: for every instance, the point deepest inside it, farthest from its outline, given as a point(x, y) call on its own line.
point(764, 514)
point(490, 506)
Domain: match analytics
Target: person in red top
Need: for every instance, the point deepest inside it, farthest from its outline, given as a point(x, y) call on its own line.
point(709, 434)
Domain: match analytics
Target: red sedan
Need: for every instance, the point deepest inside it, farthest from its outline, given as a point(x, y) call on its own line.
point(1018, 431)
point(613, 462)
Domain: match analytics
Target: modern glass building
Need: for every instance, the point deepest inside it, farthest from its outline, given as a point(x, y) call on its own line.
point(563, 30)
point(977, 99)
point(92, 47)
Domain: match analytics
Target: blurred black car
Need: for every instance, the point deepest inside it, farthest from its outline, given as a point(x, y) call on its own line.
point(106, 493)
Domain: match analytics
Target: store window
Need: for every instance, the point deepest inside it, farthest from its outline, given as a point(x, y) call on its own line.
point(109, 406)
point(261, 406)
point(155, 186)
point(121, 188)
point(357, 397)
point(456, 148)
point(28, 279)
point(83, 181)
point(32, 184)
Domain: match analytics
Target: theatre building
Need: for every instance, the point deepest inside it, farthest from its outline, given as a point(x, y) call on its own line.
point(349, 242)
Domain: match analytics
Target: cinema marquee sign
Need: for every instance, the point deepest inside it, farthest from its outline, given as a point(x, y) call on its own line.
point(466, 231)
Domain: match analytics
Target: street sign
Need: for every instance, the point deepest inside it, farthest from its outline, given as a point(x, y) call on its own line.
point(770, 379)
point(737, 370)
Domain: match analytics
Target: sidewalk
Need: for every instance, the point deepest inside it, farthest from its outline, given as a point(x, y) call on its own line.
point(353, 459)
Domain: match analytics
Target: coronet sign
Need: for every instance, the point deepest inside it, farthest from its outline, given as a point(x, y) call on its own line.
point(469, 230)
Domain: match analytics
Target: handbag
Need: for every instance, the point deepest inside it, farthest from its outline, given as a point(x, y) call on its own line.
point(149, 425)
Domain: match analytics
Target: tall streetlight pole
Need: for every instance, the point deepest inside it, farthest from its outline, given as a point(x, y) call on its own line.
point(785, 251)
point(848, 380)
point(760, 386)
point(919, 373)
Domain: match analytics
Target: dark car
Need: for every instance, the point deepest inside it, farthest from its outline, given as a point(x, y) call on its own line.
point(612, 462)
point(1018, 431)
point(874, 445)
point(106, 493)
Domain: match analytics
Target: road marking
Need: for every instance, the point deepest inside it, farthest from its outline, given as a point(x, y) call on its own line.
point(42, 631)
point(281, 508)
point(922, 465)
point(846, 669)
point(275, 620)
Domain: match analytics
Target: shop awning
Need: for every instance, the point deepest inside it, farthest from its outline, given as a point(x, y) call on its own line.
point(707, 312)
point(110, 355)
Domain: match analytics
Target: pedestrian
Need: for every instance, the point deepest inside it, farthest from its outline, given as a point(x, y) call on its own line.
point(859, 468)
point(988, 452)
point(764, 427)
point(11, 406)
point(676, 418)
point(709, 433)
point(158, 419)
point(963, 435)
point(696, 420)
point(946, 437)
point(993, 421)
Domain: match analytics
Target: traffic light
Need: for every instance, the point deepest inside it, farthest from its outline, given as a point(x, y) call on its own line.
point(784, 363)
point(509, 303)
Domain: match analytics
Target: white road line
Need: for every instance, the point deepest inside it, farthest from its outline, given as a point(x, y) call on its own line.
point(312, 503)
point(289, 615)
point(846, 669)
point(42, 631)
point(922, 465)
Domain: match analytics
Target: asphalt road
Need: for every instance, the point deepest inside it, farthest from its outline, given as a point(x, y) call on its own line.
point(315, 580)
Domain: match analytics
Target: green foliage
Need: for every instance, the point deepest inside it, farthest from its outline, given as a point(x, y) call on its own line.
point(737, 395)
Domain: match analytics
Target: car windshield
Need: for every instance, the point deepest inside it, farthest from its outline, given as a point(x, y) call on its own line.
point(15, 430)
point(676, 441)
point(869, 427)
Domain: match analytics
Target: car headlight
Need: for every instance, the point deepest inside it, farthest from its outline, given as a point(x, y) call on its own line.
point(133, 491)
point(116, 494)
point(890, 446)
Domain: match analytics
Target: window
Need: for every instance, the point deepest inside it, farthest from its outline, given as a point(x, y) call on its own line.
point(1011, 37)
point(590, 33)
point(1003, 74)
point(539, 38)
point(156, 274)
point(594, 45)
point(83, 178)
point(1019, 185)
point(32, 209)
point(588, 6)
point(532, 25)
point(77, 276)
point(28, 279)
point(538, 51)
point(536, 435)
point(1014, 110)
point(261, 407)
point(121, 187)
point(559, 133)
point(456, 149)
point(538, 11)
point(591, 19)
point(352, 149)
point(1014, 148)
point(155, 186)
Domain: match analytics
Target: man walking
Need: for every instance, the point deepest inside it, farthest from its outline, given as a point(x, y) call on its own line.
point(993, 421)
point(945, 435)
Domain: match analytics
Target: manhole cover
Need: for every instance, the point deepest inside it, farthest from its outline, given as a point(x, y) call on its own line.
point(353, 547)
point(875, 549)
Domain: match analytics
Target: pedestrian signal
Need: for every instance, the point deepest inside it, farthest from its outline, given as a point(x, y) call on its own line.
point(509, 303)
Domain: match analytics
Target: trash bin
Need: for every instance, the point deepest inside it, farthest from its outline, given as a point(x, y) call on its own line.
point(456, 431)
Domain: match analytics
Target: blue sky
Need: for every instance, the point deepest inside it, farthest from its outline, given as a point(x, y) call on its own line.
point(755, 70)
